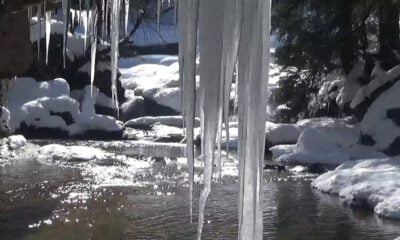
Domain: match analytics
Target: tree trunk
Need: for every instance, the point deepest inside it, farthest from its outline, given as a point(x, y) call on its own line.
point(346, 36)
point(389, 38)
point(15, 46)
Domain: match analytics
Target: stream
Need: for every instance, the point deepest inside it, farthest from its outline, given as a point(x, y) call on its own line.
point(147, 198)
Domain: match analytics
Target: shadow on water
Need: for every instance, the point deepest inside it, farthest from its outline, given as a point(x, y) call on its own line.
point(39, 201)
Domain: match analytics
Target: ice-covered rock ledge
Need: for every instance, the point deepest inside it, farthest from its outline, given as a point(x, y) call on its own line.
point(370, 182)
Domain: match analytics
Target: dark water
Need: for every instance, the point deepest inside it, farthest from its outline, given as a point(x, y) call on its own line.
point(40, 201)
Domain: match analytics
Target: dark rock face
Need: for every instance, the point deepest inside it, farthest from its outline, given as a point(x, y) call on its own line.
point(367, 140)
point(16, 48)
point(32, 132)
point(394, 148)
point(155, 109)
point(66, 116)
point(394, 114)
point(133, 108)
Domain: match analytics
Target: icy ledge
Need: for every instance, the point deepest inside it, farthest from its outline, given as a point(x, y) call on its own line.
point(372, 182)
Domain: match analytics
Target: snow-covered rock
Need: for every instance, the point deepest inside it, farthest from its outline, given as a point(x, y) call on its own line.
point(380, 78)
point(16, 142)
point(56, 152)
point(4, 119)
point(49, 105)
point(374, 182)
point(381, 122)
point(327, 145)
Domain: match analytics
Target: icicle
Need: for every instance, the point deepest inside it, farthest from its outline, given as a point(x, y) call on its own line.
point(233, 19)
point(93, 51)
point(211, 27)
point(116, 7)
point(30, 15)
point(175, 13)
point(158, 14)
point(253, 78)
point(80, 12)
point(86, 26)
point(66, 7)
point(126, 17)
point(48, 34)
point(107, 15)
point(188, 70)
point(39, 28)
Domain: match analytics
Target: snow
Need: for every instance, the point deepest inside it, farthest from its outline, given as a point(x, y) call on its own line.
point(380, 78)
point(56, 152)
point(326, 145)
point(154, 77)
point(376, 123)
point(282, 133)
point(369, 181)
point(36, 102)
point(16, 142)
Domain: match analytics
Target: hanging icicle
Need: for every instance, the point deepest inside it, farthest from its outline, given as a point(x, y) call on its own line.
point(253, 80)
point(86, 26)
point(115, 13)
point(39, 28)
point(48, 34)
point(126, 17)
point(159, 3)
point(66, 8)
point(233, 19)
point(30, 15)
point(93, 50)
point(189, 22)
point(210, 40)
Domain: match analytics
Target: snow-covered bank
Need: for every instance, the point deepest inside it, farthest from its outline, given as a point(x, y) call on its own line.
point(49, 105)
point(371, 182)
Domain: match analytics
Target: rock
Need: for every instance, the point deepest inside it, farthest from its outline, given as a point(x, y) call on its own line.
point(4, 121)
point(55, 152)
point(133, 108)
point(16, 142)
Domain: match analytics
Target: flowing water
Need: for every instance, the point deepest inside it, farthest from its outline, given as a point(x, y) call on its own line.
point(148, 199)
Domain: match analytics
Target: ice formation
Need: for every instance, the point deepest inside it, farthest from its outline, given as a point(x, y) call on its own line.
point(189, 38)
point(126, 17)
point(66, 9)
point(116, 7)
point(93, 51)
point(39, 22)
point(48, 34)
point(219, 39)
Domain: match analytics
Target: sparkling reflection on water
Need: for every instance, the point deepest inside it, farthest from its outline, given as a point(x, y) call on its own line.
point(53, 201)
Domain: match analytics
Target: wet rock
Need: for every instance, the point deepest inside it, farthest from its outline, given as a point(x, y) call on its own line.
point(133, 108)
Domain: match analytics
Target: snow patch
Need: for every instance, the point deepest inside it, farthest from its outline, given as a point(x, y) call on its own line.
point(372, 181)
point(16, 141)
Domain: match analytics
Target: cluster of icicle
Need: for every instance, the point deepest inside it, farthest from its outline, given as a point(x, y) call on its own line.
point(231, 34)
point(87, 15)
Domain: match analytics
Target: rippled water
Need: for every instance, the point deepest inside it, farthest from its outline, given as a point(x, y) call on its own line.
point(58, 201)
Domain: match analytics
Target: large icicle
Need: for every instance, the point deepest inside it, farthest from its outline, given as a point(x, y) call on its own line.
point(66, 7)
point(116, 7)
point(210, 25)
point(233, 19)
point(48, 34)
point(39, 28)
point(126, 17)
point(86, 26)
point(189, 24)
point(159, 3)
point(253, 80)
point(93, 50)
